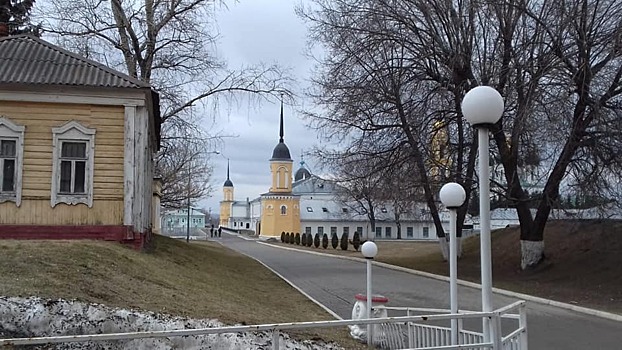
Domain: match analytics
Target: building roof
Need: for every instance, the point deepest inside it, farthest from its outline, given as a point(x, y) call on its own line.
point(314, 185)
point(302, 173)
point(26, 59)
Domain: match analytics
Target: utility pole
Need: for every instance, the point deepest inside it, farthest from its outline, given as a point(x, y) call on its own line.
point(188, 223)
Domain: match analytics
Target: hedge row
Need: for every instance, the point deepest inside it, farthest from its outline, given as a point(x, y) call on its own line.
point(309, 240)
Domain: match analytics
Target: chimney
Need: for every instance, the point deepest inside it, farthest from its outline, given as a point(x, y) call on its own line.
point(4, 29)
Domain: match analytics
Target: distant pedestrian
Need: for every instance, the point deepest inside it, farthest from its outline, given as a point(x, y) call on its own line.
point(211, 232)
point(219, 231)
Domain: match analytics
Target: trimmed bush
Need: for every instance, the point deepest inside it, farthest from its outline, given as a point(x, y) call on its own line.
point(316, 240)
point(356, 241)
point(287, 237)
point(344, 241)
point(303, 239)
point(292, 239)
point(309, 240)
point(325, 241)
point(334, 241)
point(282, 237)
point(297, 238)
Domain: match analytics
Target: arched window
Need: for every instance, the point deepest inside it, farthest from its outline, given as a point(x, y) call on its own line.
point(283, 210)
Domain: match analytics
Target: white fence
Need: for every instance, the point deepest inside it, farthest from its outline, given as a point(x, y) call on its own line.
point(404, 332)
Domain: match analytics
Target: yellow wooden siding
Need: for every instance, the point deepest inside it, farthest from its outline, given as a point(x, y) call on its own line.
point(40, 212)
point(39, 119)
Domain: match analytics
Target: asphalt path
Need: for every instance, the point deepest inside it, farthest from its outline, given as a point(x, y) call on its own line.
point(333, 282)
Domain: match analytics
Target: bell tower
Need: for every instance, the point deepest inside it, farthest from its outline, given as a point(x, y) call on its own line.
point(225, 204)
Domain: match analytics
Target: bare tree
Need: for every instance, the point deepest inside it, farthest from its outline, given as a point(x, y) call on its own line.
point(15, 17)
point(168, 44)
point(404, 66)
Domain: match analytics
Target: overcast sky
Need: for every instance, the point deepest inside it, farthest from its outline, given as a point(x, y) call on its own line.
point(255, 31)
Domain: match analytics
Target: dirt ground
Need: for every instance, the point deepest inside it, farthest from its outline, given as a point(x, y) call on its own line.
point(582, 266)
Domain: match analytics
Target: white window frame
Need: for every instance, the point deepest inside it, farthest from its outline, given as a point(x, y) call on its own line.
point(14, 132)
point(73, 132)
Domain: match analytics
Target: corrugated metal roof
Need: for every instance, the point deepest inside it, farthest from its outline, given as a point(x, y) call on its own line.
point(25, 59)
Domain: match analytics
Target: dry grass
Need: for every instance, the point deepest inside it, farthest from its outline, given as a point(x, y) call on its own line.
point(199, 281)
point(582, 264)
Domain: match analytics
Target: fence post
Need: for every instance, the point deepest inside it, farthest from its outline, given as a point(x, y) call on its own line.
point(410, 331)
point(522, 323)
point(497, 335)
point(275, 339)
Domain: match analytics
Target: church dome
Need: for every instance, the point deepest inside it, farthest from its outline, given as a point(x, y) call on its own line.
point(281, 152)
point(302, 174)
point(228, 183)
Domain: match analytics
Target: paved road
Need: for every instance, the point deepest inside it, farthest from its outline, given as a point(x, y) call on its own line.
point(334, 282)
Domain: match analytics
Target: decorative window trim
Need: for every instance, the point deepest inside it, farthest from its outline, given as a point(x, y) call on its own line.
point(10, 130)
point(72, 131)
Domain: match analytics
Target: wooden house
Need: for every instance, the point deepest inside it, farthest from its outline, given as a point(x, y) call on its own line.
point(77, 141)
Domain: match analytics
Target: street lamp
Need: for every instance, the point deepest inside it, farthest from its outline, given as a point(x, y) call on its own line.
point(369, 250)
point(483, 106)
point(452, 196)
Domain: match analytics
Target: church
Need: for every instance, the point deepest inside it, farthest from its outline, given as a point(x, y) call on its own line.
point(302, 202)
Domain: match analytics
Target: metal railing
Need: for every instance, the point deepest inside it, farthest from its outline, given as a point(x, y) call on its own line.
point(420, 336)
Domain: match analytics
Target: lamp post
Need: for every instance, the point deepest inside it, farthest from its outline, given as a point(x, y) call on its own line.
point(483, 106)
point(452, 195)
point(369, 250)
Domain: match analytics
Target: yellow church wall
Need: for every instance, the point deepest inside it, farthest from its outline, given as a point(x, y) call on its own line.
point(225, 206)
point(273, 222)
point(281, 176)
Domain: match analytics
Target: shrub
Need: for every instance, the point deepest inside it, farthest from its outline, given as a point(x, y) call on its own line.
point(292, 239)
point(303, 239)
point(309, 240)
point(356, 241)
point(334, 241)
point(344, 241)
point(325, 241)
point(287, 237)
point(282, 237)
point(316, 240)
point(297, 238)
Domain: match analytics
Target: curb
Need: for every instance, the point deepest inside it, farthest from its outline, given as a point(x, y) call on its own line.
point(539, 300)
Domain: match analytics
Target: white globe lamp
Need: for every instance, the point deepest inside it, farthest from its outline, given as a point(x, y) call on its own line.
point(482, 105)
point(369, 250)
point(452, 195)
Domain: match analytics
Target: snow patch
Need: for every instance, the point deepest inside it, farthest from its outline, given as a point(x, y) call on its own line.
point(39, 317)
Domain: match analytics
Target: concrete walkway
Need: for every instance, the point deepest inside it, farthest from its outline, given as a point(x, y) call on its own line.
point(333, 282)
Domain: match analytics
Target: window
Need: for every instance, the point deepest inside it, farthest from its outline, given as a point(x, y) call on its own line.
point(346, 231)
point(8, 156)
point(387, 232)
point(310, 210)
point(324, 209)
point(345, 210)
point(308, 230)
point(333, 231)
point(378, 231)
point(283, 210)
point(320, 230)
point(72, 170)
point(409, 232)
point(11, 161)
point(426, 232)
point(360, 231)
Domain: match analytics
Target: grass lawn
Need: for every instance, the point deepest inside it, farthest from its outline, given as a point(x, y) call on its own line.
point(582, 264)
point(193, 280)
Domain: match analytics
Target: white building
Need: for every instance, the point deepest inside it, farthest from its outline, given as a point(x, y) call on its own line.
point(175, 221)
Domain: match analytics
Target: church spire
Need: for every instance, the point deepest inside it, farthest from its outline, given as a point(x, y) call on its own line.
point(281, 131)
point(228, 183)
